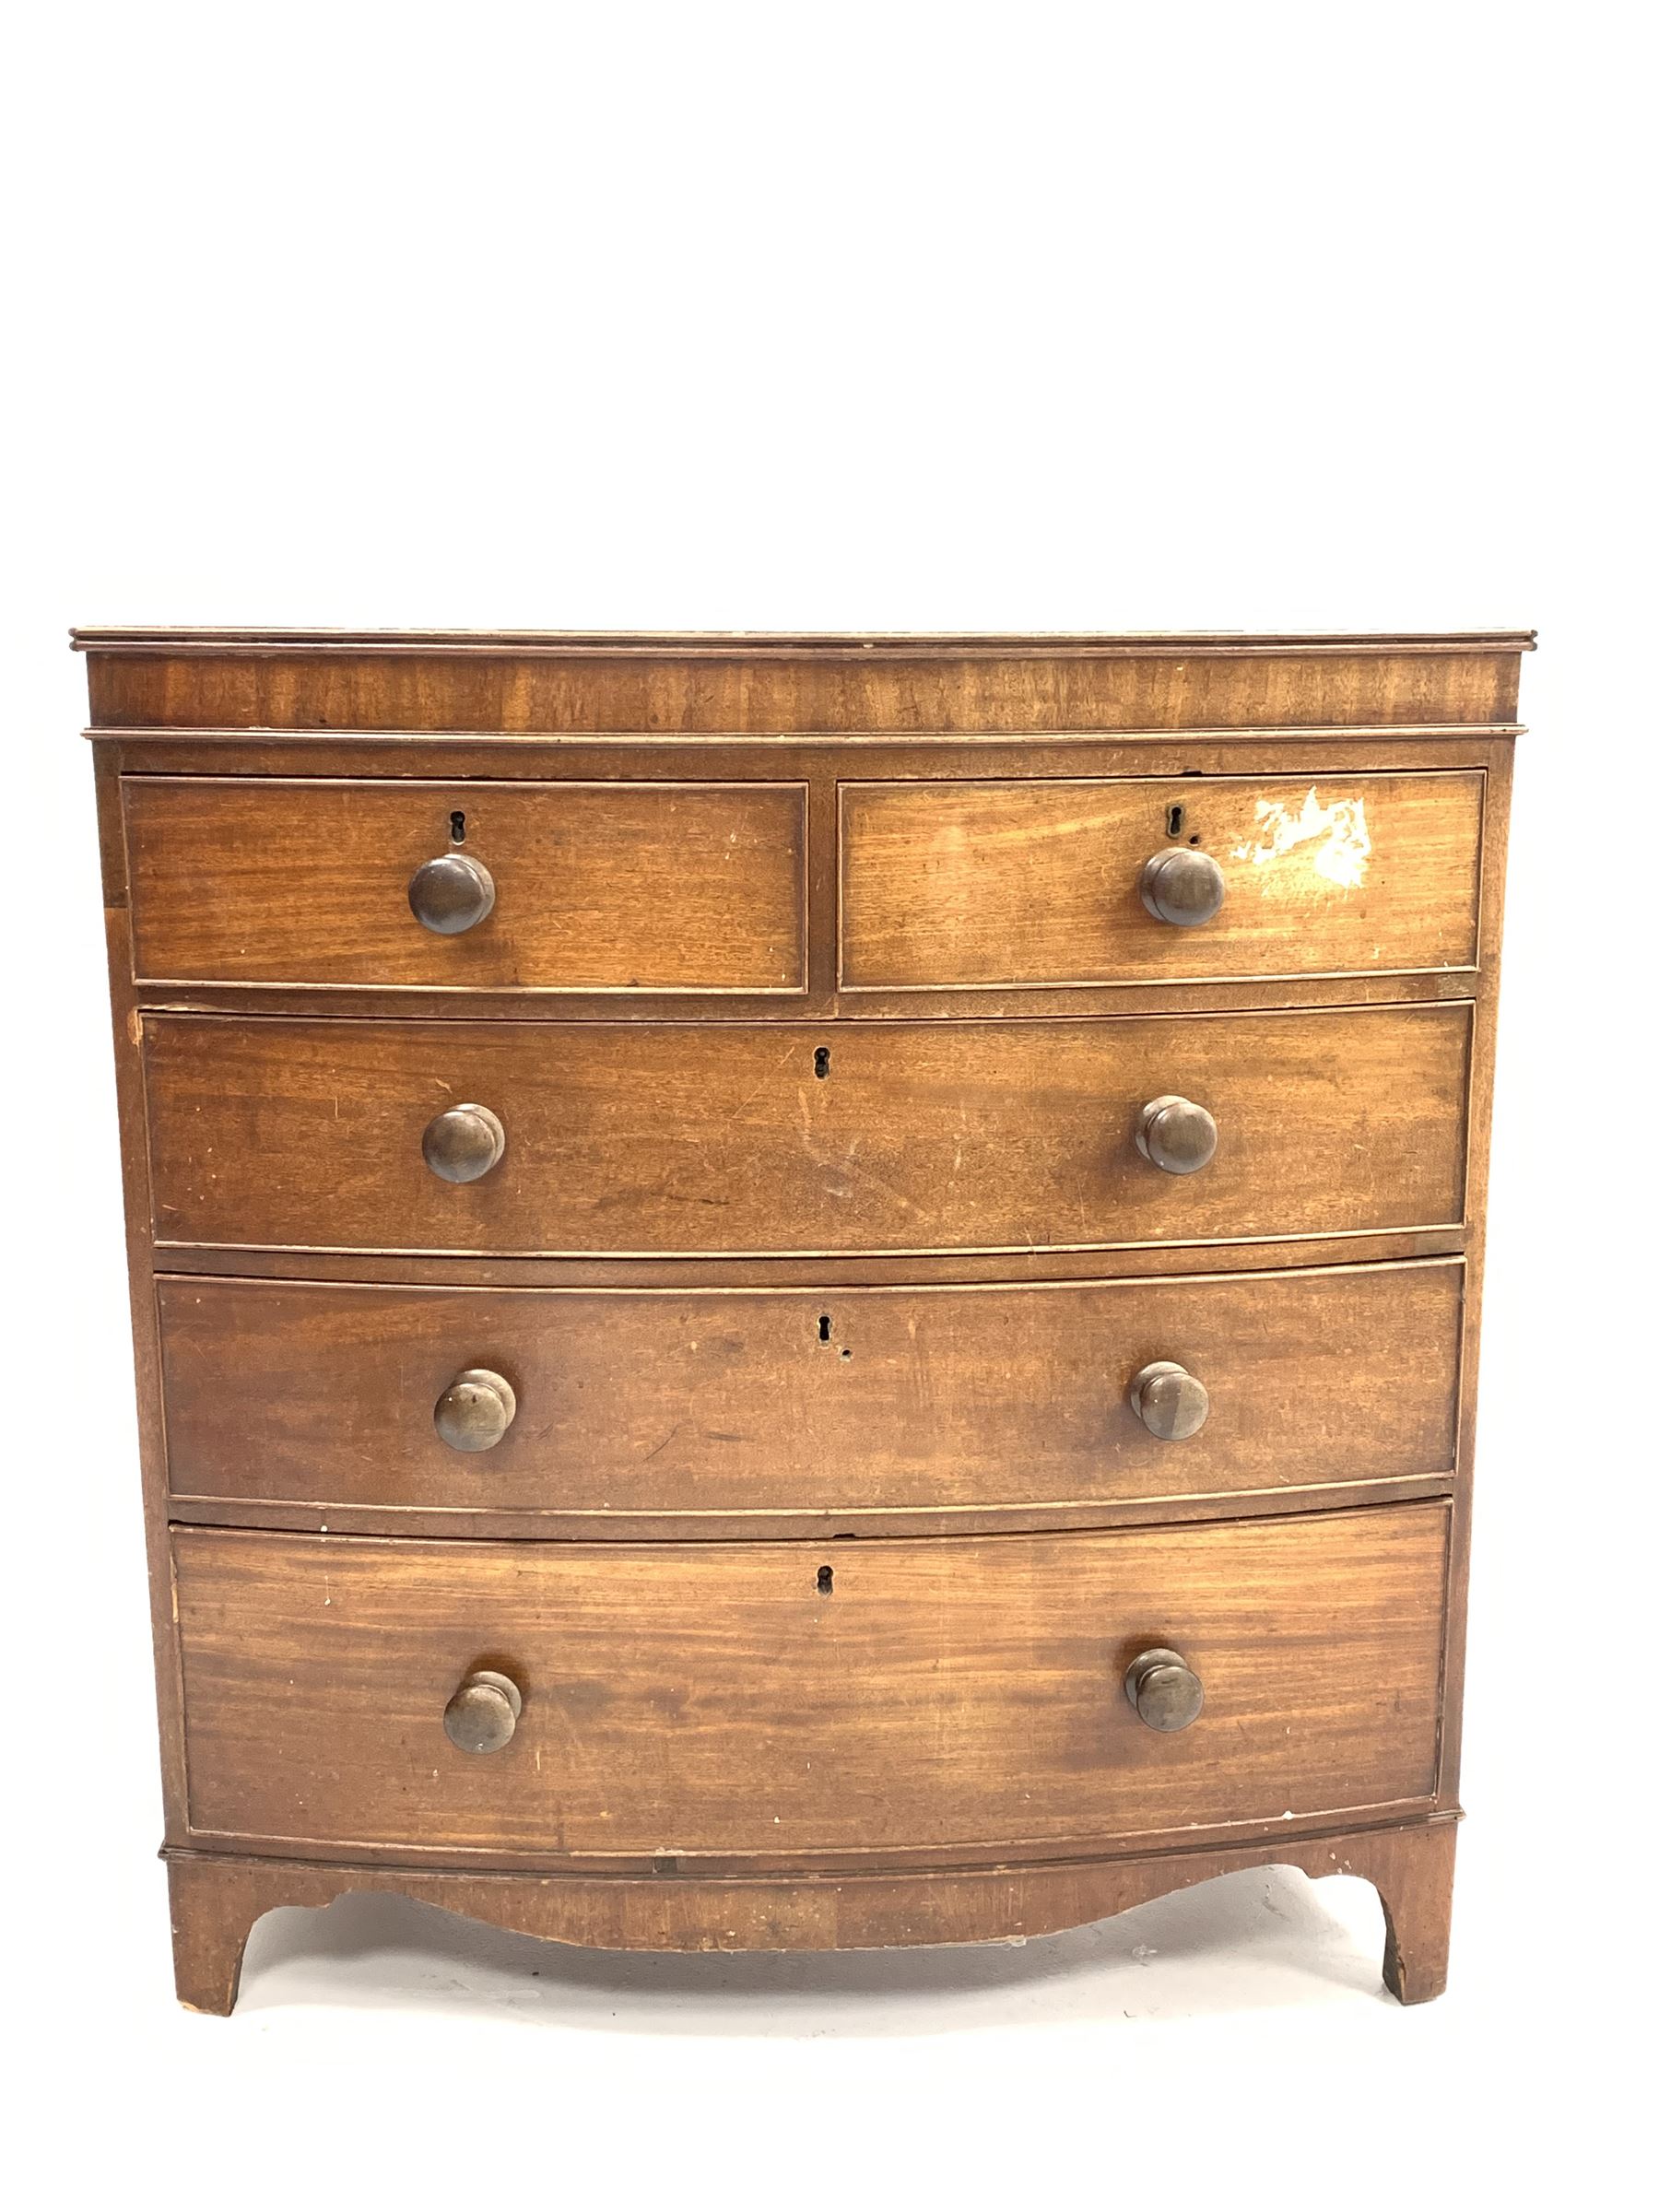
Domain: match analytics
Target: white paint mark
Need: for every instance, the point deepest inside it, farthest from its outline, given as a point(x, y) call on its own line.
point(1281, 829)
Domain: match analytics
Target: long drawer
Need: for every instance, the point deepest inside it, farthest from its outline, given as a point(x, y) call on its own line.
point(322, 1395)
point(1039, 882)
point(760, 1700)
point(747, 1138)
point(596, 886)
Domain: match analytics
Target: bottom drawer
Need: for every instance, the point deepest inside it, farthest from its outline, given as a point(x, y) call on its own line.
point(778, 1700)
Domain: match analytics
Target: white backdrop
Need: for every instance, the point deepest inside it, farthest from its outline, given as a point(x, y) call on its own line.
point(1050, 317)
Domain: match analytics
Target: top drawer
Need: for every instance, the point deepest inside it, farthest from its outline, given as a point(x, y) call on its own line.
point(962, 885)
point(597, 887)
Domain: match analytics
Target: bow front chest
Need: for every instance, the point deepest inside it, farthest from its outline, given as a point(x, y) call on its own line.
point(803, 1291)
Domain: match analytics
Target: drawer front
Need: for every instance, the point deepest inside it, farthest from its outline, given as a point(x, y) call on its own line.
point(955, 885)
point(325, 1395)
point(598, 887)
point(738, 1137)
point(713, 1699)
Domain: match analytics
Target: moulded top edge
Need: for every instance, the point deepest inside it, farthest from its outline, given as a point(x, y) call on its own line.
point(773, 646)
point(694, 741)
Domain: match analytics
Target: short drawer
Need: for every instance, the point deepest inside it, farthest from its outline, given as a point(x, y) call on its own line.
point(595, 886)
point(751, 1138)
point(767, 1701)
point(322, 1395)
point(949, 886)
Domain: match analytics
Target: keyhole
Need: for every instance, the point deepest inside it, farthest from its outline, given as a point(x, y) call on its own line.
point(820, 1062)
point(1176, 814)
point(457, 827)
point(826, 1580)
point(823, 1328)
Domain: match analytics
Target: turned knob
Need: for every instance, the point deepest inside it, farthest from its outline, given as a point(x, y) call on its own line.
point(1171, 1402)
point(1164, 1691)
point(484, 1711)
point(462, 1144)
point(1176, 1136)
point(1183, 887)
point(451, 894)
point(476, 1411)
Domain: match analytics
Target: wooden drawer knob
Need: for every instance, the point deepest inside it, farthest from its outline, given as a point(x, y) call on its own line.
point(1171, 1402)
point(484, 1711)
point(1164, 1691)
point(1183, 887)
point(451, 894)
point(1176, 1136)
point(462, 1144)
point(477, 1410)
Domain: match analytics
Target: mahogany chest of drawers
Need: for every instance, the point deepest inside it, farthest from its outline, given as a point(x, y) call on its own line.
point(803, 1291)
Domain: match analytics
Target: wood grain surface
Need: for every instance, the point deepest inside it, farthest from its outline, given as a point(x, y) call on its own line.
point(615, 887)
point(706, 1404)
point(725, 1699)
point(726, 1138)
point(952, 885)
point(718, 685)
